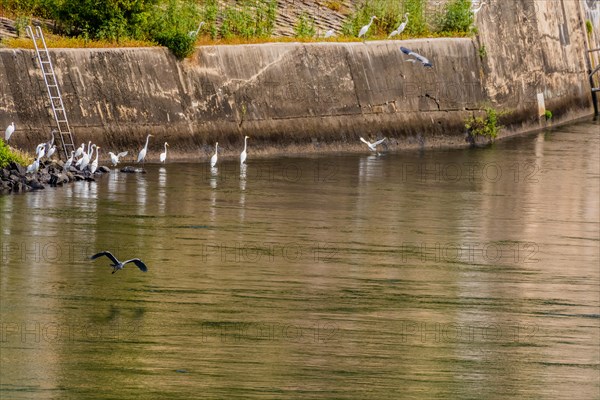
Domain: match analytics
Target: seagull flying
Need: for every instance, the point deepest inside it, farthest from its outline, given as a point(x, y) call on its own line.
point(417, 57)
point(117, 265)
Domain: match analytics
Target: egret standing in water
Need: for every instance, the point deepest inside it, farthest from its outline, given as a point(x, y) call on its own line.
point(163, 156)
point(213, 159)
point(117, 265)
point(364, 29)
point(9, 131)
point(243, 155)
point(94, 165)
point(373, 146)
point(142, 154)
point(115, 158)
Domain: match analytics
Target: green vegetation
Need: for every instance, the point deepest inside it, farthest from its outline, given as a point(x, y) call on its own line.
point(458, 16)
point(8, 155)
point(548, 115)
point(249, 18)
point(456, 20)
point(101, 23)
point(484, 126)
point(588, 26)
point(305, 27)
point(482, 52)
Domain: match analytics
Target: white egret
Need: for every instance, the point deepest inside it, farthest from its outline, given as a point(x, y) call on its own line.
point(373, 146)
point(9, 131)
point(400, 28)
point(40, 150)
point(69, 162)
point(94, 165)
point(195, 33)
point(85, 160)
point(117, 265)
point(163, 156)
point(417, 56)
point(50, 143)
point(244, 154)
point(213, 159)
point(79, 151)
point(51, 151)
point(476, 10)
point(329, 34)
point(115, 158)
point(33, 167)
point(364, 29)
point(83, 154)
point(142, 154)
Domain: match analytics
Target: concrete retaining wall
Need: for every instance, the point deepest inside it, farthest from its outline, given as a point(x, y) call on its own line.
point(311, 97)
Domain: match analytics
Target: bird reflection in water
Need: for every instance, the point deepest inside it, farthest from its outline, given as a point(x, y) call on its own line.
point(162, 189)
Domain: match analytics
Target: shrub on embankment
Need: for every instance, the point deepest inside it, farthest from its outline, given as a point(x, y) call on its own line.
point(8, 155)
point(174, 23)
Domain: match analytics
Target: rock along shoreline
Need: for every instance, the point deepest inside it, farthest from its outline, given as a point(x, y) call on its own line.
point(15, 179)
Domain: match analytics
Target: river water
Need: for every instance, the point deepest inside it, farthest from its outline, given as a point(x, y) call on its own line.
point(443, 274)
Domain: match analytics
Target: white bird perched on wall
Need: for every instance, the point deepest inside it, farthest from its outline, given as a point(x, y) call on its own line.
point(94, 165)
point(373, 146)
point(213, 159)
point(69, 162)
point(364, 29)
point(244, 154)
point(163, 156)
point(329, 34)
point(9, 131)
point(400, 28)
point(195, 33)
point(115, 158)
point(142, 154)
point(476, 10)
point(416, 56)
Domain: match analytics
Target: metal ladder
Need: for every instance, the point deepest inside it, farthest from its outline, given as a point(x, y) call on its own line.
point(56, 102)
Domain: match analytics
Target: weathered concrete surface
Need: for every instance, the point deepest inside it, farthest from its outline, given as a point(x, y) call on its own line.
point(310, 97)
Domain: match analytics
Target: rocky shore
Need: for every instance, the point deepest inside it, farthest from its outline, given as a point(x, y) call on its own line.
point(14, 177)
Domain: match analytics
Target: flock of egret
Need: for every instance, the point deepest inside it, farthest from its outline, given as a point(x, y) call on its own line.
point(84, 157)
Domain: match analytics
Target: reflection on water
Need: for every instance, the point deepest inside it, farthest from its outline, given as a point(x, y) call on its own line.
point(443, 274)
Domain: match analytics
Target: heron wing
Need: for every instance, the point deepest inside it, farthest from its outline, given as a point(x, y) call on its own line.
point(107, 254)
point(140, 264)
point(379, 142)
point(365, 142)
point(122, 154)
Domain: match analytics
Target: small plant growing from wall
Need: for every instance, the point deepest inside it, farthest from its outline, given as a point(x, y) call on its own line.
point(486, 127)
point(305, 27)
point(548, 115)
point(589, 27)
point(482, 52)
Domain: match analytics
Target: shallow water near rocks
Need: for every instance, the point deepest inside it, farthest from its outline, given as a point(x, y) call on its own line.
point(443, 274)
